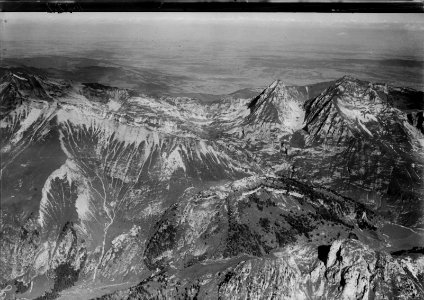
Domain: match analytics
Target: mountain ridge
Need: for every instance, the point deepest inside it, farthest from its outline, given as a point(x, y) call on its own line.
point(134, 188)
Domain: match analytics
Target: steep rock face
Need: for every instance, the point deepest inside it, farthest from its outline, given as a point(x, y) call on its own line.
point(352, 107)
point(23, 126)
point(276, 104)
point(19, 242)
point(416, 119)
point(120, 163)
point(276, 112)
point(16, 87)
point(367, 146)
point(126, 175)
point(60, 258)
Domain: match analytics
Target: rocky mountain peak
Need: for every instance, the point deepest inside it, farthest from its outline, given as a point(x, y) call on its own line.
point(273, 93)
point(25, 83)
point(277, 104)
point(350, 106)
point(16, 86)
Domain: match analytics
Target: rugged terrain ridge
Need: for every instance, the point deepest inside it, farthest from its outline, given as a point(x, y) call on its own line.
point(297, 193)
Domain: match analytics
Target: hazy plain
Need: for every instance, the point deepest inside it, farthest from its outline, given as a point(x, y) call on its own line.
point(216, 53)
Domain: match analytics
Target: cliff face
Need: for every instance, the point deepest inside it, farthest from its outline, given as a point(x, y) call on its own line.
point(361, 140)
point(105, 191)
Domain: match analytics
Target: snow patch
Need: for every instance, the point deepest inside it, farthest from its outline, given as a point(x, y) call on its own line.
point(114, 105)
point(32, 117)
point(293, 115)
point(296, 194)
point(353, 114)
point(173, 162)
point(120, 240)
point(19, 77)
point(82, 204)
point(152, 209)
point(65, 171)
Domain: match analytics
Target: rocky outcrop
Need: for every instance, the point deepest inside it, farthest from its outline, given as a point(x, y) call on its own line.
point(347, 270)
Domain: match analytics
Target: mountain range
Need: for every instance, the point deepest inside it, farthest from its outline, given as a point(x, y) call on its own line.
point(292, 192)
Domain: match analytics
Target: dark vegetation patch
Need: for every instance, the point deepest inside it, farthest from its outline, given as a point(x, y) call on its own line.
point(323, 208)
point(353, 236)
point(332, 217)
point(158, 286)
point(261, 201)
point(191, 292)
point(265, 224)
point(360, 210)
point(284, 237)
point(149, 288)
point(402, 285)
point(301, 224)
point(164, 238)
point(362, 224)
point(21, 287)
point(65, 277)
point(242, 240)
